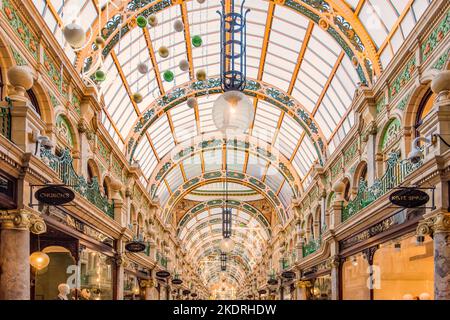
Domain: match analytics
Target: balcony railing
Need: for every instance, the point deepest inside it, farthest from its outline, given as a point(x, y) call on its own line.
point(63, 166)
point(395, 174)
point(312, 246)
point(5, 120)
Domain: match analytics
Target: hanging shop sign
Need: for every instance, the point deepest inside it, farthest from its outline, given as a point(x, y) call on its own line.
point(193, 295)
point(135, 246)
point(409, 198)
point(177, 281)
point(272, 282)
point(288, 274)
point(54, 195)
point(186, 292)
point(162, 274)
point(262, 291)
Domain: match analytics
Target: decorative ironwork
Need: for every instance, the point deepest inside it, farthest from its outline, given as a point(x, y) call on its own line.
point(226, 222)
point(63, 166)
point(5, 120)
point(312, 246)
point(233, 47)
point(223, 261)
point(395, 174)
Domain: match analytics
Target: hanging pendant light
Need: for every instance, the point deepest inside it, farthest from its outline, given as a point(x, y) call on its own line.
point(233, 111)
point(141, 21)
point(100, 75)
point(74, 34)
point(142, 68)
point(184, 65)
point(39, 260)
point(227, 245)
point(197, 41)
point(152, 20)
point(178, 26)
point(168, 76)
point(192, 102)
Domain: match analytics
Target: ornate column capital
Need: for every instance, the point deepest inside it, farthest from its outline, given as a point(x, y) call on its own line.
point(439, 222)
point(150, 283)
point(303, 284)
point(23, 219)
point(334, 261)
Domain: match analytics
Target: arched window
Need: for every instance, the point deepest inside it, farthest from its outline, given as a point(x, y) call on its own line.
point(105, 188)
point(347, 189)
point(1, 84)
point(30, 94)
point(424, 108)
point(90, 174)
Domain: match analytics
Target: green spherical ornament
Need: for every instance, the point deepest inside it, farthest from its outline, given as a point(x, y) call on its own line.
point(168, 76)
point(100, 75)
point(141, 21)
point(197, 41)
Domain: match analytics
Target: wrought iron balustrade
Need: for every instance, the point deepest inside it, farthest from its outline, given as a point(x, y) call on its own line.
point(312, 246)
point(63, 166)
point(5, 120)
point(396, 172)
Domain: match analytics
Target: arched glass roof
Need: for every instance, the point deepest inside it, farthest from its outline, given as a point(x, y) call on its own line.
point(304, 61)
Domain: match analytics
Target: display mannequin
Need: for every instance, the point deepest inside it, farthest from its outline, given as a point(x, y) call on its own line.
point(64, 290)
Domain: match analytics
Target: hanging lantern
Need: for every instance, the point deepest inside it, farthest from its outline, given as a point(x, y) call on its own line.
point(152, 20)
point(100, 75)
point(137, 97)
point(163, 52)
point(197, 41)
point(233, 111)
point(192, 102)
point(141, 21)
point(39, 260)
point(142, 68)
point(201, 1)
point(227, 245)
point(74, 34)
point(168, 76)
point(178, 25)
point(99, 42)
point(184, 65)
point(201, 75)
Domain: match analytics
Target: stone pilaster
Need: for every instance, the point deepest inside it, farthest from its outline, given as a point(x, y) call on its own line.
point(149, 289)
point(302, 288)
point(15, 252)
point(334, 262)
point(371, 151)
point(119, 264)
point(438, 226)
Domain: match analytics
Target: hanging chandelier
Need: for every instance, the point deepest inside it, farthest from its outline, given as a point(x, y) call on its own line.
point(233, 112)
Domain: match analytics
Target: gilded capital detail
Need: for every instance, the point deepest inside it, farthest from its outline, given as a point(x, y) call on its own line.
point(23, 219)
point(437, 223)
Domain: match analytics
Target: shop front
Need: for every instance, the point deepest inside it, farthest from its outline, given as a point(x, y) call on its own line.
point(80, 260)
point(316, 282)
point(134, 277)
point(388, 261)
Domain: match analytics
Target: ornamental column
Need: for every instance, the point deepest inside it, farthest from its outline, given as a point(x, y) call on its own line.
point(335, 262)
point(149, 288)
point(371, 152)
point(119, 261)
point(15, 251)
point(438, 226)
point(302, 289)
point(336, 206)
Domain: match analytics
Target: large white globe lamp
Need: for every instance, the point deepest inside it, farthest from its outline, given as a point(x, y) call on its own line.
point(74, 35)
point(227, 245)
point(233, 112)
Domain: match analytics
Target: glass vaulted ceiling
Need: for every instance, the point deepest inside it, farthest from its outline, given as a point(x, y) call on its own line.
point(284, 49)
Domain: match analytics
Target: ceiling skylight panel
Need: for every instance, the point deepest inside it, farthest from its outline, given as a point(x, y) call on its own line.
point(40, 5)
point(289, 134)
point(192, 166)
point(213, 160)
point(274, 178)
point(352, 3)
point(419, 7)
point(256, 166)
point(286, 195)
point(324, 124)
point(125, 120)
point(408, 23)
point(276, 76)
point(183, 119)
point(266, 120)
point(174, 178)
point(162, 194)
point(205, 105)
point(399, 5)
point(385, 57)
point(162, 136)
point(371, 21)
point(304, 157)
point(322, 44)
point(235, 160)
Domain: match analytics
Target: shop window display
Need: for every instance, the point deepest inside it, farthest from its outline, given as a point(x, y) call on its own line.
point(96, 277)
point(322, 288)
point(131, 290)
point(355, 276)
point(46, 281)
point(405, 270)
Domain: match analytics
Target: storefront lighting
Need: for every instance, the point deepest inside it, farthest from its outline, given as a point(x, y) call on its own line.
point(420, 240)
point(397, 247)
point(39, 260)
